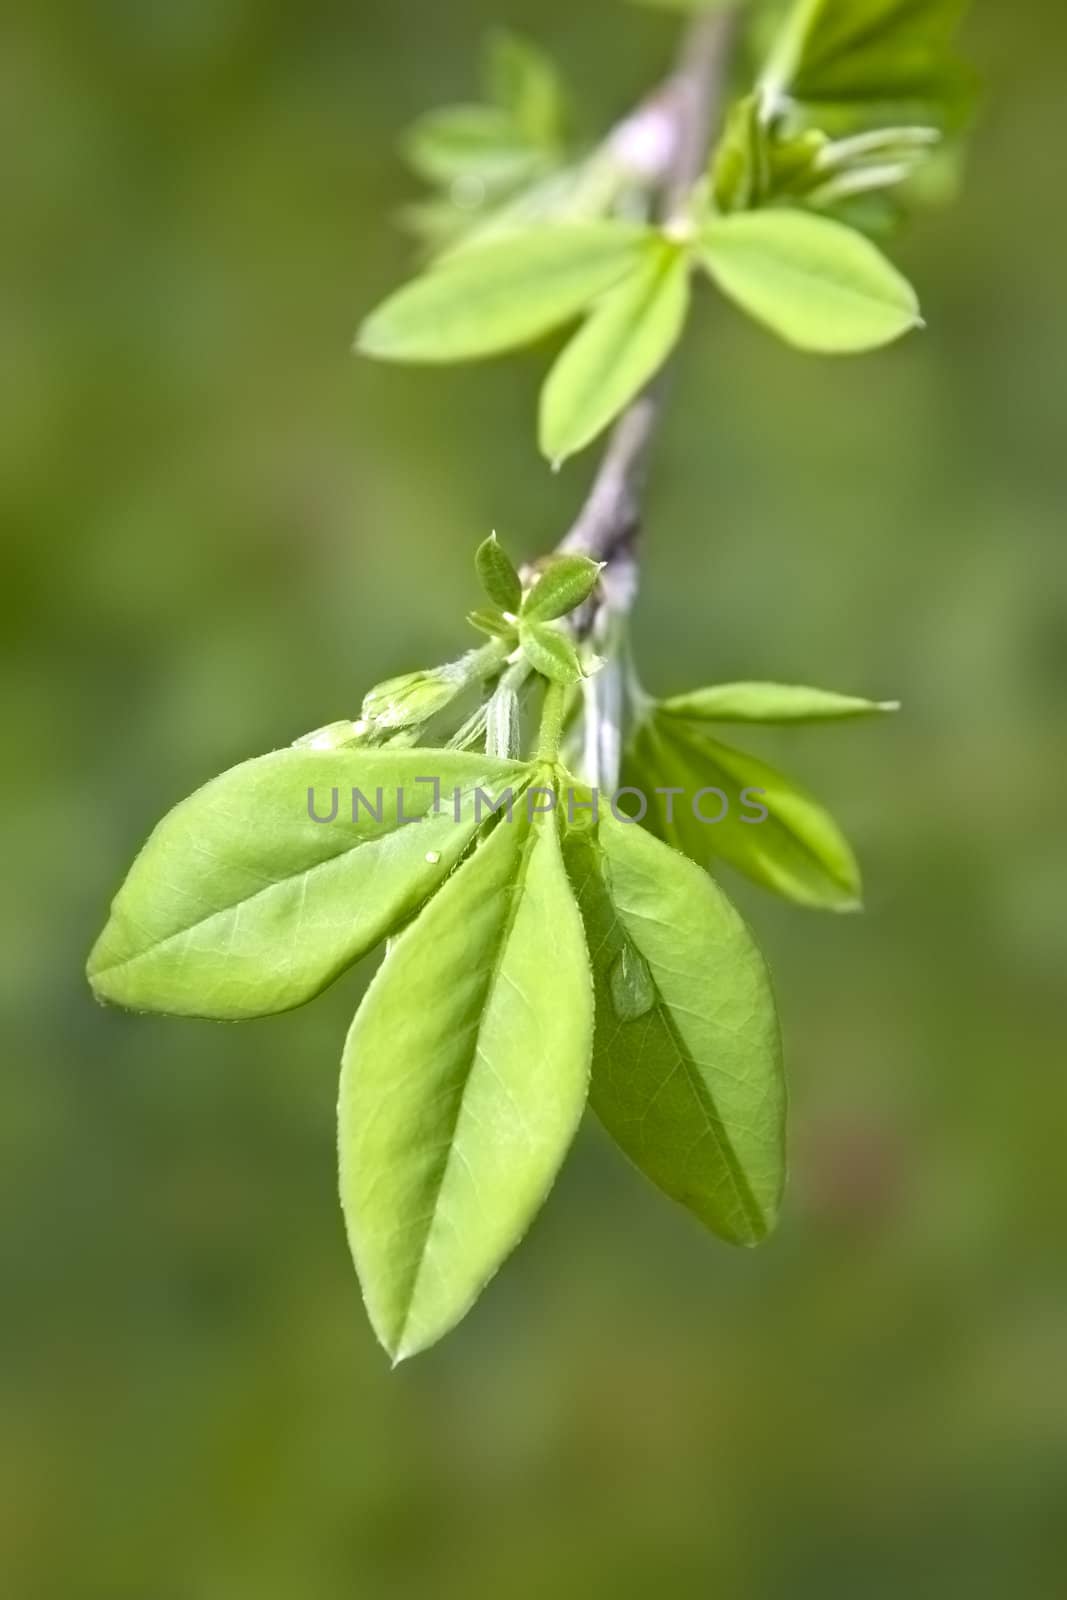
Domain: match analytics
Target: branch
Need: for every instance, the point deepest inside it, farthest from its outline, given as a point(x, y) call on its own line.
point(608, 523)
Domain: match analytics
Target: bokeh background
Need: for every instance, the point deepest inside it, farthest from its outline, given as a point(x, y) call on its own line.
point(219, 528)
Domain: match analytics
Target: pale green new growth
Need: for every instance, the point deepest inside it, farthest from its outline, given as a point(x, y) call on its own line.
point(465, 1076)
point(626, 340)
point(772, 702)
point(817, 284)
point(241, 904)
point(534, 942)
point(503, 295)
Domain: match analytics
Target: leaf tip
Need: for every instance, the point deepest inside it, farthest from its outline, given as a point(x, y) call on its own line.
point(371, 340)
point(363, 343)
point(853, 907)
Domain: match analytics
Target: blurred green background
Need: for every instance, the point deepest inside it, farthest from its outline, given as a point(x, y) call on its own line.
point(219, 528)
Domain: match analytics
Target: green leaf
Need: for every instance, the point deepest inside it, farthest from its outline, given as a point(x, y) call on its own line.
point(687, 1073)
point(524, 81)
point(732, 807)
point(414, 698)
point(464, 1080)
point(626, 340)
point(334, 736)
point(870, 62)
point(739, 179)
point(241, 905)
point(566, 583)
point(499, 578)
point(550, 653)
point(760, 163)
point(771, 702)
point(501, 295)
point(480, 144)
point(493, 623)
point(817, 284)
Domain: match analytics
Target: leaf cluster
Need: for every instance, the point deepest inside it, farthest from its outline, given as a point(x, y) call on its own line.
point(545, 949)
point(844, 122)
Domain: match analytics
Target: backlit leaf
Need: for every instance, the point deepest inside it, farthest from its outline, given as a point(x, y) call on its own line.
point(503, 294)
point(629, 335)
point(464, 1079)
point(814, 282)
point(771, 702)
point(479, 144)
point(523, 79)
point(241, 904)
point(869, 62)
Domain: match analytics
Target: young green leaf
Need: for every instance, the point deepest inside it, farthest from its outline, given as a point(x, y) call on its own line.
point(550, 652)
point(502, 295)
point(241, 904)
point(731, 807)
point(494, 623)
point(464, 1079)
point(761, 163)
point(497, 571)
point(771, 702)
point(739, 169)
point(483, 144)
point(687, 1071)
point(334, 736)
point(523, 80)
point(629, 335)
point(414, 697)
point(566, 583)
point(817, 284)
point(865, 63)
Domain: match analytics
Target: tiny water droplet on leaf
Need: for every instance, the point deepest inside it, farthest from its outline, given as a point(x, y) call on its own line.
point(633, 993)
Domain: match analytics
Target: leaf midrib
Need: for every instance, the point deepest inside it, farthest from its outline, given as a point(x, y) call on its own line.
point(743, 1195)
point(822, 280)
point(297, 878)
point(513, 891)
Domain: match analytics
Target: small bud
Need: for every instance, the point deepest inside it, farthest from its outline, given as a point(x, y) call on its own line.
point(414, 698)
point(335, 736)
